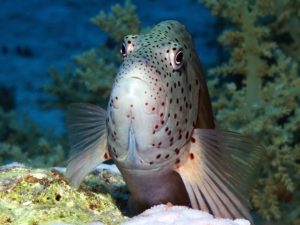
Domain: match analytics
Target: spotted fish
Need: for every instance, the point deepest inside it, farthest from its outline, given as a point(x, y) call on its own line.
point(159, 130)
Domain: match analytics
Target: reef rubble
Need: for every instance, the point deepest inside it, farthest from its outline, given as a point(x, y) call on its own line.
point(31, 196)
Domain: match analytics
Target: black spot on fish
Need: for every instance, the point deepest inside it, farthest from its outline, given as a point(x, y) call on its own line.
point(179, 137)
point(171, 140)
point(193, 140)
point(187, 135)
point(192, 156)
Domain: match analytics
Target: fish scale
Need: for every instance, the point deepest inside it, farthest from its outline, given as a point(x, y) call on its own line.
point(159, 130)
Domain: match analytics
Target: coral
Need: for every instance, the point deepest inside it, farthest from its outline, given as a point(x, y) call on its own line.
point(121, 21)
point(21, 140)
point(95, 69)
point(90, 81)
point(285, 27)
point(106, 181)
point(29, 196)
point(257, 93)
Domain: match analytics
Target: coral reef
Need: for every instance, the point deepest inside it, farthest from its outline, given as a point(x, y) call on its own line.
point(29, 196)
point(257, 93)
point(285, 27)
point(94, 71)
point(36, 196)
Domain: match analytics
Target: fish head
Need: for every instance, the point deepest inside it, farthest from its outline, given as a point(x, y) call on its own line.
point(153, 104)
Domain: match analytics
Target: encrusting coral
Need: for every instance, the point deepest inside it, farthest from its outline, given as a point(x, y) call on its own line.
point(36, 196)
point(257, 93)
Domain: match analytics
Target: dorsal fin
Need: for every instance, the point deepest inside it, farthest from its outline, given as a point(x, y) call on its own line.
point(205, 117)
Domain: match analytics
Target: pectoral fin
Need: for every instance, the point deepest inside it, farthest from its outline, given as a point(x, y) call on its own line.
point(219, 172)
point(86, 124)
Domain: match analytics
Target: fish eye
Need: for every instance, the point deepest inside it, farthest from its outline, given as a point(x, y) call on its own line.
point(123, 50)
point(179, 58)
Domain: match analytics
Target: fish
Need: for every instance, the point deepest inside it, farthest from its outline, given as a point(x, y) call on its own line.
point(160, 131)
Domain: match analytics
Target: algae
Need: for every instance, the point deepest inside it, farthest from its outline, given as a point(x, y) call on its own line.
point(38, 196)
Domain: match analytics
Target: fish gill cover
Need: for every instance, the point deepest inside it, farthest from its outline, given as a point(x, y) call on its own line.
point(255, 91)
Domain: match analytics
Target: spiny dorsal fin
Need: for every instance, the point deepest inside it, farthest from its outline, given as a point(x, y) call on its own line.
point(205, 117)
point(86, 124)
point(219, 172)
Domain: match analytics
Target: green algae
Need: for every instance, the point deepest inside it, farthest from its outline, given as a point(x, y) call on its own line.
point(39, 196)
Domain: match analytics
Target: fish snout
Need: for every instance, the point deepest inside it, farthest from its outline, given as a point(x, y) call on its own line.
point(136, 94)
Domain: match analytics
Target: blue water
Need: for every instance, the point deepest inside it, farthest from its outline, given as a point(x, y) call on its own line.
point(37, 35)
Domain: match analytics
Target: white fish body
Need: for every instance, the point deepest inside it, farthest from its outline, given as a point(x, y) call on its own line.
point(159, 130)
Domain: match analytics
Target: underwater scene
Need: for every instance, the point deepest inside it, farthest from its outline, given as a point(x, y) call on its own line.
point(150, 112)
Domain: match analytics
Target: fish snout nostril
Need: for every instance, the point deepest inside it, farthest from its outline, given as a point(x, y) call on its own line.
point(135, 77)
point(138, 78)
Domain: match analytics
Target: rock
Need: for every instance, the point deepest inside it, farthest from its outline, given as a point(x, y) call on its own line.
point(41, 196)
